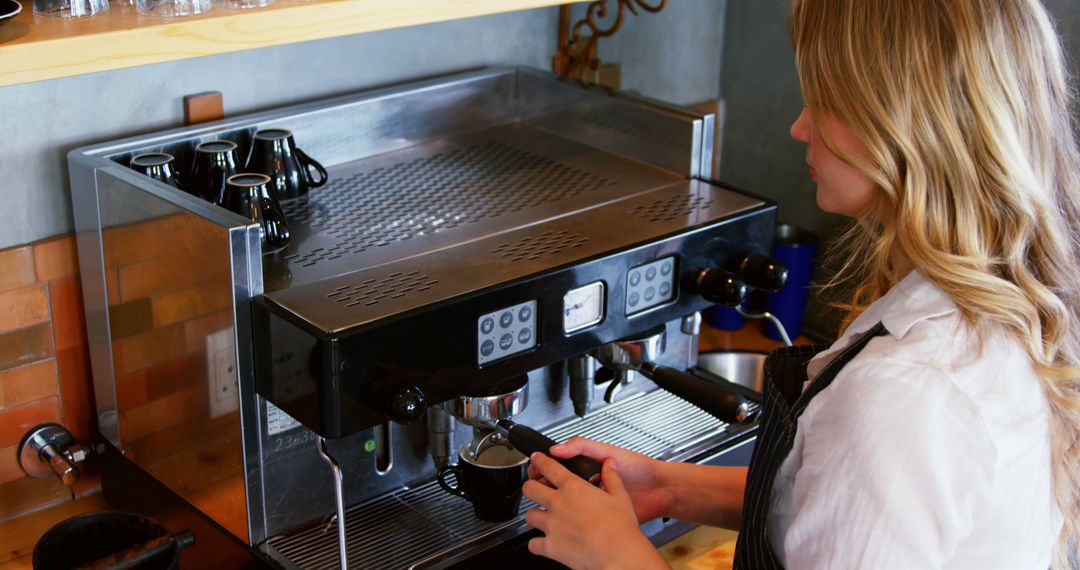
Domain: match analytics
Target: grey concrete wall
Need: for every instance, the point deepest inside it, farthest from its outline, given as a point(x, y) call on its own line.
point(673, 56)
point(761, 92)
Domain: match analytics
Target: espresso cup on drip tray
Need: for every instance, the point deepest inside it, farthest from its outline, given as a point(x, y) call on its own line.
point(160, 166)
point(491, 482)
point(215, 162)
point(249, 195)
point(275, 154)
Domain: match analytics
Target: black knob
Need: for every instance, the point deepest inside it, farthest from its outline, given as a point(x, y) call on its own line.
point(405, 403)
point(763, 272)
point(718, 286)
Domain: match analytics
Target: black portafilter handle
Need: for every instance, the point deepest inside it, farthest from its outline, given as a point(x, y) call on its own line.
point(527, 440)
point(725, 405)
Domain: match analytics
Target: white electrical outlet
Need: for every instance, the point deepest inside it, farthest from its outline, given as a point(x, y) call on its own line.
point(221, 372)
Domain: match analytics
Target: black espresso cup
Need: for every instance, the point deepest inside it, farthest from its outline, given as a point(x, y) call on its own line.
point(275, 154)
point(249, 195)
point(160, 166)
point(215, 162)
point(491, 482)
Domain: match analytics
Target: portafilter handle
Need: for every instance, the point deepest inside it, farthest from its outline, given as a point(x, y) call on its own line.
point(725, 405)
point(528, 441)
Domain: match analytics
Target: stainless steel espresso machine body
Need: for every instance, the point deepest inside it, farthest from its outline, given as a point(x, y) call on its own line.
point(476, 228)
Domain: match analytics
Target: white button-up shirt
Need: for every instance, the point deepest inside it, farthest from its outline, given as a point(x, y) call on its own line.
point(930, 449)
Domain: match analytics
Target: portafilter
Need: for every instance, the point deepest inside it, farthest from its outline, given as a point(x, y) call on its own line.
point(489, 413)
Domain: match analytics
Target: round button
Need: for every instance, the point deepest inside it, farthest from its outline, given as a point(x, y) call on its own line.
point(635, 278)
point(524, 336)
point(634, 299)
point(487, 348)
point(665, 268)
point(506, 341)
point(525, 313)
point(506, 319)
point(665, 288)
point(650, 294)
point(650, 274)
point(487, 325)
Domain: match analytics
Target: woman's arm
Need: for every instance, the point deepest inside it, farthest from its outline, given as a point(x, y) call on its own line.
point(695, 493)
point(704, 494)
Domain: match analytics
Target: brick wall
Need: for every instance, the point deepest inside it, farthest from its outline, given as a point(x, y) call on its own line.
point(168, 285)
point(44, 366)
point(168, 281)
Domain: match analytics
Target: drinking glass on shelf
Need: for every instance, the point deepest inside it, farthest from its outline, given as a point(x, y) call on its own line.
point(172, 8)
point(70, 8)
point(243, 4)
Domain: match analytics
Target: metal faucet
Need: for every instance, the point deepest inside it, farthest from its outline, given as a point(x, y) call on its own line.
point(49, 449)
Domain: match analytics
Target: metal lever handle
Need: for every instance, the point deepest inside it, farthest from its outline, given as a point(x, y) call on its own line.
point(60, 464)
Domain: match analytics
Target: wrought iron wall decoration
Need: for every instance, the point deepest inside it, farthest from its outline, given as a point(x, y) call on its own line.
point(577, 55)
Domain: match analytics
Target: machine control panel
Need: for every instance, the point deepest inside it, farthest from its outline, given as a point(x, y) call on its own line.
point(650, 285)
point(507, 331)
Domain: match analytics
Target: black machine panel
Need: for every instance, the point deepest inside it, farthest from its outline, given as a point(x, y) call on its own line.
point(340, 379)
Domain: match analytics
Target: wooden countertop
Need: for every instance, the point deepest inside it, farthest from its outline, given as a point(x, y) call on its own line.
point(35, 48)
point(704, 548)
point(18, 536)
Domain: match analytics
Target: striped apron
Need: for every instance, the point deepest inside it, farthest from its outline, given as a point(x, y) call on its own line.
point(784, 401)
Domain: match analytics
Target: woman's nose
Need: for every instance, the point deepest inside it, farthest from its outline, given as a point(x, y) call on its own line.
point(800, 129)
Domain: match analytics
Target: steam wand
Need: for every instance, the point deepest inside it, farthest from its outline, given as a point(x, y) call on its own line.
point(771, 317)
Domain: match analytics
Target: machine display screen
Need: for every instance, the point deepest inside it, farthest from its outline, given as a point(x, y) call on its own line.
point(504, 332)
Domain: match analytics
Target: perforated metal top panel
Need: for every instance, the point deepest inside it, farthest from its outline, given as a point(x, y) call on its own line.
point(445, 193)
point(488, 179)
point(414, 227)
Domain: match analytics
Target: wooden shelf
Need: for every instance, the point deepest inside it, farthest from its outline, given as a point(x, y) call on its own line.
point(35, 48)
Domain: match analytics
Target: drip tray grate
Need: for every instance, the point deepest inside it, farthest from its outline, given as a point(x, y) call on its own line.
point(411, 525)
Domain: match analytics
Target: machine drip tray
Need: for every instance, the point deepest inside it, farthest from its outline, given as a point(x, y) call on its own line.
point(424, 527)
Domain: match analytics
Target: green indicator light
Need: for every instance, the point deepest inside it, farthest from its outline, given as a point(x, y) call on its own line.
point(369, 445)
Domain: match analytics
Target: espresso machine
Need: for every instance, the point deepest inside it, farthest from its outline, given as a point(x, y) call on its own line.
point(495, 248)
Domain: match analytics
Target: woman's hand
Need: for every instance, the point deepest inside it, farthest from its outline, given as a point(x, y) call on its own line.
point(640, 474)
point(586, 527)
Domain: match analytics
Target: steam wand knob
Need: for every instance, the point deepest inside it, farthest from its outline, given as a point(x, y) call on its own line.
point(405, 403)
point(763, 272)
point(719, 286)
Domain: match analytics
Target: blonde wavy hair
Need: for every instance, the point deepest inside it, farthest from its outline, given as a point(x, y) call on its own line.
point(964, 109)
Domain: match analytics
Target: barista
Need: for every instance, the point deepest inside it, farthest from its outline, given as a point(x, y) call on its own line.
point(941, 429)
